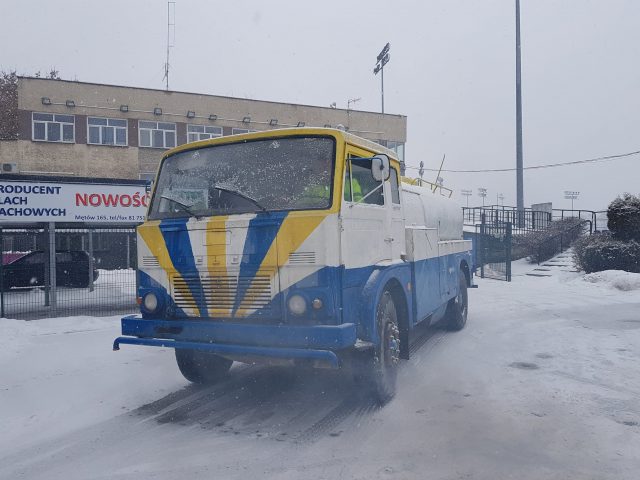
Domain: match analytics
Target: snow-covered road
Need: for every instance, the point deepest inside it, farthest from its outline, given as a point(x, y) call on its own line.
point(543, 383)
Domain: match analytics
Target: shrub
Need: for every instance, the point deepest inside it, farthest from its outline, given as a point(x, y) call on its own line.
point(624, 217)
point(602, 252)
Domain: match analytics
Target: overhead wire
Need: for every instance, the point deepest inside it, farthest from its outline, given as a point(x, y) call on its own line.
point(533, 167)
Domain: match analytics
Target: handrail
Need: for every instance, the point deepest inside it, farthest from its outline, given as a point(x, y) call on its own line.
point(419, 182)
point(561, 235)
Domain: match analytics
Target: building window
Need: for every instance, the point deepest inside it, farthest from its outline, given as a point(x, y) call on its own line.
point(237, 131)
point(51, 127)
point(107, 131)
point(202, 132)
point(397, 147)
point(157, 134)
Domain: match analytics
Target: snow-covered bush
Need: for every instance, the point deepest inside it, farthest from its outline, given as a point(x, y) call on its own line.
point(624, 217)
point(602, 252)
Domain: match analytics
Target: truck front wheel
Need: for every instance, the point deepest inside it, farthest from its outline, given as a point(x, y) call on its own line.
point(381, 369)
point(201, 367)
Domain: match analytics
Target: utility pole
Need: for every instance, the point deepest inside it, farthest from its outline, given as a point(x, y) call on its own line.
point(171, 22)
point(382, 59)
point(519, 162)
point(466, 193)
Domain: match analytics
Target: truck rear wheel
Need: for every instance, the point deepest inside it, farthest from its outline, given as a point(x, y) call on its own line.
point(201, 367)
point(458, 307)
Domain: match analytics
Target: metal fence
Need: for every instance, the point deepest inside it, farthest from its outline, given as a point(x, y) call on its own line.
point(526, 221)
point(47, 271)
point(530, 220)
point(494, 241)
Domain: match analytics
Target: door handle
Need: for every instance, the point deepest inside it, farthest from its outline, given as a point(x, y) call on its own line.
point(389, 239)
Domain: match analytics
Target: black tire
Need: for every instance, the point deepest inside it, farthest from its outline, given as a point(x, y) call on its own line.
point(201, 367)
point(381, 368)
point(458, 307)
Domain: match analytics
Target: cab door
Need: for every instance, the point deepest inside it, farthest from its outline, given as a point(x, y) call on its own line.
point(396, 235)
point(364, 229)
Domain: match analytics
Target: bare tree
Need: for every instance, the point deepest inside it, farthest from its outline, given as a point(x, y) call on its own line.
point(8, 106)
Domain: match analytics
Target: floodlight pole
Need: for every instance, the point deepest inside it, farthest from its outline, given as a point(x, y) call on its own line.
point(382, 87)
point(519, 162)
point(381, 61)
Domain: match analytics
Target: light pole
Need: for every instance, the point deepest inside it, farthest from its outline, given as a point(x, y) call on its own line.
point(570, 195)
point(381, 61)
point(519, 161)
point(482, 192)
point(466, 193)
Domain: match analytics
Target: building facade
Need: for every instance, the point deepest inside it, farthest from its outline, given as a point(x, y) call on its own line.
point(94, 130)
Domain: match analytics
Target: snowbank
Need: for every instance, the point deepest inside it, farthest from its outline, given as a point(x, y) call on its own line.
point(618, 279)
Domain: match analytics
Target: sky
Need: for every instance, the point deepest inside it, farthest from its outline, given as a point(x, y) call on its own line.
point(452, 72)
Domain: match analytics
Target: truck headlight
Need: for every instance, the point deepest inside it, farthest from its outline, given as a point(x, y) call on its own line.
point(297, 304)
point(150, 302)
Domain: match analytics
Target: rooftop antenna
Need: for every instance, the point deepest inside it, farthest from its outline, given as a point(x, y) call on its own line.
point(436, 184)
point(171, 28)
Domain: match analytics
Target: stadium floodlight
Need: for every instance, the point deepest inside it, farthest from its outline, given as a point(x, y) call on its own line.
point(571, 195)
point(482, 192)
point(466, 193)
point(381, 60)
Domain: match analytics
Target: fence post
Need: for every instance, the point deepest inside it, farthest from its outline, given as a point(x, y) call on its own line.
point(481, 242)
point(90, 242)
point(53, 298)
point(128, 250)
point(1, 277)
point(508, 252)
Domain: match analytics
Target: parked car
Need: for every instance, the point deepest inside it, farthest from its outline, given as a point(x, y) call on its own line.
point(72, 270)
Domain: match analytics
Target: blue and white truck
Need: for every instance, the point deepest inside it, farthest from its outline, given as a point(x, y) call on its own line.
point(300, 246)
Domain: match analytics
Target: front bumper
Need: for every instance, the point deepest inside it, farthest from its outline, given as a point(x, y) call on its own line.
point(316, 344)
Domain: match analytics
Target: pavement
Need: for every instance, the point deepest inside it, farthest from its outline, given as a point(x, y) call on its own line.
point(542, 384)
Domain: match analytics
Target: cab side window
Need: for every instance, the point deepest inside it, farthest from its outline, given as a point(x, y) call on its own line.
point(395, 192)
point(362, 183)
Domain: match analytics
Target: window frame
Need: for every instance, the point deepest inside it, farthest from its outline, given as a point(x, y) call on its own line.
point(101, 144)
point(157, 129)
point(348, 164)
point(201, 134)
point(52, 121)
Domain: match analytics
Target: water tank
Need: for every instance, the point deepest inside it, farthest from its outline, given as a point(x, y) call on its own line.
point(423, 207)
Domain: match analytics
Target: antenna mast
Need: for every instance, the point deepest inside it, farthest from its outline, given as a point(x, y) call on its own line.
point(171, 28)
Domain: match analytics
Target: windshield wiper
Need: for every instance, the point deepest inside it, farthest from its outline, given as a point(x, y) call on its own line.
point(242, 195)
point(183, 206)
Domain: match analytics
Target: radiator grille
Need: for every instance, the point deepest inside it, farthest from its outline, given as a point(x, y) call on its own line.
point(150, 261)
point(219, 292)
point(302, 258)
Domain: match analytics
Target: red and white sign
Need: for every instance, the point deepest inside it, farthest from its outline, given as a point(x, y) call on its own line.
point(71, 202)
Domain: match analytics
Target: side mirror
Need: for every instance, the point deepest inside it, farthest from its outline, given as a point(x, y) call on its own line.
point(380, 168)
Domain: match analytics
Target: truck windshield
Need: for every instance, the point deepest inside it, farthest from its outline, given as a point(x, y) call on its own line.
point(291, 173)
